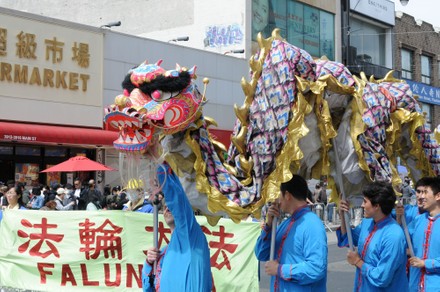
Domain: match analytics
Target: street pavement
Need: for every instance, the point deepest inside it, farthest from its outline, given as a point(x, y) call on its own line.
point(340, 274)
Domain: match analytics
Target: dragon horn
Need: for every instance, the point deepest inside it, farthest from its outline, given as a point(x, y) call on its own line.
point(159, 62)
point(192, 72)
point(178, 68)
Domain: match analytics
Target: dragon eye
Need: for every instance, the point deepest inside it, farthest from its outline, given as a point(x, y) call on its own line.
point(159, 95)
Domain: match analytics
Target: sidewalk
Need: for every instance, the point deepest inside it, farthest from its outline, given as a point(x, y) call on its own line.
point(331, 234)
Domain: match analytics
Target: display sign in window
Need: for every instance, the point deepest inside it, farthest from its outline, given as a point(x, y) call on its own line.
point(27, 173)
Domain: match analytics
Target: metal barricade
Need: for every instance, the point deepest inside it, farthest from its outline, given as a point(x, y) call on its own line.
point(318, 209)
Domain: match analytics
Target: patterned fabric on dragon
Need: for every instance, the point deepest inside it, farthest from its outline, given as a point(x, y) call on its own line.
point(295, 110)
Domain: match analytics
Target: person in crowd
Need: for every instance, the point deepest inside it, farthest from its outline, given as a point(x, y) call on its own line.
point(26, 193)
point(37, 199)
point(77, 190)
point(184, 265)
point(424, 274)
point(94, 203)
point(51, 192)
point(107, 196)
point(407, 190)
point(112, 200)
point(88, 194)
point(3, 200)
point(309, 198)
point(320, 196)
point(121, 200)
point(300, 262)
point(59, 200)
point(70, 197)
point(139, 202)
point(409, 211)
point(10, 183)
point(14, 196)
point(49, 206)
point(381, 246)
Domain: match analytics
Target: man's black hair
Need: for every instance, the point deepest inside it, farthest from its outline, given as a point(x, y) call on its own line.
point(433, 182)
point(380, 193)
point(297, 186)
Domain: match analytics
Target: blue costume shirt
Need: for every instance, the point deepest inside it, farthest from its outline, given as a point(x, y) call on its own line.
point(384, 257)
point(185, 265)
point(410, 212)
point(303, 258)
point(425, 235)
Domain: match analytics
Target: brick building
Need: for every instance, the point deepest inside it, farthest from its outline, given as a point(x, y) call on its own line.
point(417, 56)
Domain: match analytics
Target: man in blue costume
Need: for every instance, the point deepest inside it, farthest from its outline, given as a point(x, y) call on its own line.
point(381, 255)
point(409, 211)
point(424, 274)
point(300, 262)
point(184, 265)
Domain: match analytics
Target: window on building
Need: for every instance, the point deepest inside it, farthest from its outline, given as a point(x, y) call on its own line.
point(426, 109)
point(6, 150)
point(28, 151)
point(426, 69)
point(369, 41)
point(55, 152)
point(302, 25)
point(407, 62)
point(438, 66)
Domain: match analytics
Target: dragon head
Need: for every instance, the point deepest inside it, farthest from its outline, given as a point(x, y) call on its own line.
point(154, 101)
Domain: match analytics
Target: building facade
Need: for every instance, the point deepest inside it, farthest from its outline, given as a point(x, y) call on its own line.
point(224, 27)
point(51, 96)
point(417, 56)
point(56, 78)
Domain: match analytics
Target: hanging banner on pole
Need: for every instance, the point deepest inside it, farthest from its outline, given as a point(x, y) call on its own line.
point(91, 251)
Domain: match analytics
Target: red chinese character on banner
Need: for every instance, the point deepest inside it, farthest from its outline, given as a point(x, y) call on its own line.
point(162, 234)
point(42, 237)
point(99, 239)
point(221, 247)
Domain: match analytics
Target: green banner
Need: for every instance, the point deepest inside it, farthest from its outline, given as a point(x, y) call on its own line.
point(92, 251)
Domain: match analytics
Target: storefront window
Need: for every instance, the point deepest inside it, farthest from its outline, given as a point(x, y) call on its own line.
point(55, 152)
point(426, 69)
point(6, 150)
point(302, 25)
point(407, 61)
point(28, 151)
point(369, 41)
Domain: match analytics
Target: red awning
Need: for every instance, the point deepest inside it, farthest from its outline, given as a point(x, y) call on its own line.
point(223, 136)
point(34, 133)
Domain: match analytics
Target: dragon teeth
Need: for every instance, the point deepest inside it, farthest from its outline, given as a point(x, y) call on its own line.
point(139, 137)
point(127, 140)
point(120, 139)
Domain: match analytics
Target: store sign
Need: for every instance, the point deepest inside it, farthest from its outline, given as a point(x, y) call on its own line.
point(426, 93)
point(382, 10)
point(18, 138)
point(49, 62)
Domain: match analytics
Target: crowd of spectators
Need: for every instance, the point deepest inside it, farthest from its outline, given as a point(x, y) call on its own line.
point(68, 197)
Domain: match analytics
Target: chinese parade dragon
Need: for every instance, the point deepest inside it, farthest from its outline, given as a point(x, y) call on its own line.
point(296, 110)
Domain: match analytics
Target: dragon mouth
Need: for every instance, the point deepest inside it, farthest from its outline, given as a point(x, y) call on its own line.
point(134, 134)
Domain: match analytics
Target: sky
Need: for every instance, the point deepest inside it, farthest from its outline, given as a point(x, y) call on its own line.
point(426, 10)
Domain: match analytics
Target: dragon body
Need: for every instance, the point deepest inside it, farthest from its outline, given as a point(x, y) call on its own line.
point(295, 111)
